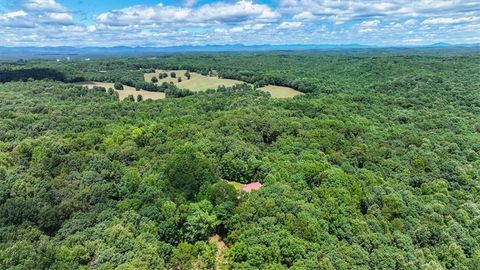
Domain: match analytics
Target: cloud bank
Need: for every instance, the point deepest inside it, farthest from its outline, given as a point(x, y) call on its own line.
point(191, 22)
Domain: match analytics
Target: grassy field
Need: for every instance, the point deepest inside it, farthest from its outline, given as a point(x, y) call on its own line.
point(127, 90)
point(197, 82)
point(280, 91)
point(236, 185)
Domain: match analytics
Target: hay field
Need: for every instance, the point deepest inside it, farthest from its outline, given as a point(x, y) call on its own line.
point(281, 91)
point(127, 90)
point(197, 82)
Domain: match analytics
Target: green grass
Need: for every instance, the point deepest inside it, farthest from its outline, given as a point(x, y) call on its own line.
point(197, 82)
point(236, 185)
point(280, 91)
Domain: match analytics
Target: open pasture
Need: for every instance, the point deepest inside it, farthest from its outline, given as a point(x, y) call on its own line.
point(197, 82)
point(127, 90)
point(280, 91)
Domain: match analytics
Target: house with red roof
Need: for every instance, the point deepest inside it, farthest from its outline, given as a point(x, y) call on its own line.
point(251, 187)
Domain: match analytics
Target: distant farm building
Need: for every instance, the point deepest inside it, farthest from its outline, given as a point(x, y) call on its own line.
point(251, 187)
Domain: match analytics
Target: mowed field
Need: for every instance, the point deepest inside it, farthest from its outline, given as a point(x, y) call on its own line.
point(197, 82)
point(127, 90)
point(280, 91)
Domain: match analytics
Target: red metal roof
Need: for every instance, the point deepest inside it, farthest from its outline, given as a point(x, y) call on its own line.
point(252, 186)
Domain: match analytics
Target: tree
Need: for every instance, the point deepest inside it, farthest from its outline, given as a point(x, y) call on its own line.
point(118, 86)
point(179, 79)
point(188, 170)
point(139, 98)
point(130, 98)
point(173, 74)
point(154, 79)
point(200, 222)
point(187, 75)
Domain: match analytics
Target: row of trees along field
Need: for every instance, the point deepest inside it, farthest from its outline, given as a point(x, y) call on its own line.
point(379, 172)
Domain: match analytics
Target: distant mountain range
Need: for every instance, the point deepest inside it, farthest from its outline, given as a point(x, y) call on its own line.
point(62, 53)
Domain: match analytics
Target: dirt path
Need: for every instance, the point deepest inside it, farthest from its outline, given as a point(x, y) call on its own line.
point(220, 260)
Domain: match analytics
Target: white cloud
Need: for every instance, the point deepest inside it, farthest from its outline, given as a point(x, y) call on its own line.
point(14, 14)
point(44, 5)
point(15, 19)
point(410, 22)
point(440, 21)
point(35, 13)
point(237, 29)
point(338, 10)
point(373, 23)
point(61, 18)
point(290, 25)
point(304, 16)
point(220, 12)
point(394, 22)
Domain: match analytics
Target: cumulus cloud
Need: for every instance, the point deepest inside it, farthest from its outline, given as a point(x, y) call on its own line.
point(51, 22)
point(348, 10)
point(35, 13)
point(220, 12)
point(290, 25)
point(304, 16)
point(58, 17)
point(44, 5)
point(15, 19)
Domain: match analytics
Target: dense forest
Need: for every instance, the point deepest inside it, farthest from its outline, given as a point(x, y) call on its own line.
point(376, 167)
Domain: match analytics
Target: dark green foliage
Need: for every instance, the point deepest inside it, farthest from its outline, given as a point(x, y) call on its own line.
point(130, 98)
point(118, 86)
point(172, 91)
point(154, 79)
point(378, 168)
point(188, 170)
point(8, 75)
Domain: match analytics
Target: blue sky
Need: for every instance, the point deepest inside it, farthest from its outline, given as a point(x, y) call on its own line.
point(200, 22)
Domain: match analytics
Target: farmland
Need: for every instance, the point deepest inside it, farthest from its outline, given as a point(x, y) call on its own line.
point(280, 91)
point(197, 82)
point(127, 91)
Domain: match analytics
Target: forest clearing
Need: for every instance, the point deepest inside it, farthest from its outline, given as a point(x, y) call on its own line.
point(127, 91)
point(197, 82)
point(184, 79)
point(280, 91)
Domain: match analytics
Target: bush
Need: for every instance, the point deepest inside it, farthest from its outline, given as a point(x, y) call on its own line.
point(118, 86)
